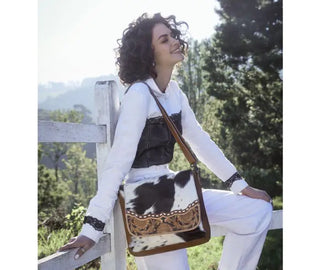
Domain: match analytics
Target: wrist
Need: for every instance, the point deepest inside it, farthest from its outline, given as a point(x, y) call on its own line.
point(238, 186)
point(246, 190)
point(236, 183)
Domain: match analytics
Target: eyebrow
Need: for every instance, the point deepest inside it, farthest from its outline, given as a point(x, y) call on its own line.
point(164, 35)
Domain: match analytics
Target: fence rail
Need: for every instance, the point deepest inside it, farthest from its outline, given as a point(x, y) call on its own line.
point(111, 247)
point(50, 131)
point(65, 260)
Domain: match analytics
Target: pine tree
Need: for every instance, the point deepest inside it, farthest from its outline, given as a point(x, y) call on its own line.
point(243, 61)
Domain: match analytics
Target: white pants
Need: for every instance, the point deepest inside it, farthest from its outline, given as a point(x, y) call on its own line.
point(247, 221)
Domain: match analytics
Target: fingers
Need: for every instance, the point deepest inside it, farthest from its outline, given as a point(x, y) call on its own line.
point(86, 243)
point(267, 198)
point(264, 196)
point(83, 249)
point(80, 252)
point(80, 242)
point(67, 246)
point(257, 194)
point(71, 244)
point(72, 239)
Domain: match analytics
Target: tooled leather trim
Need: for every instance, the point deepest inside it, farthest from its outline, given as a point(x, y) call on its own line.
point(97, 224)
point(177, 221)
point(236, 176)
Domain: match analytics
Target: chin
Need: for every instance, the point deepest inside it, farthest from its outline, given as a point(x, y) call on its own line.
point(181, 58)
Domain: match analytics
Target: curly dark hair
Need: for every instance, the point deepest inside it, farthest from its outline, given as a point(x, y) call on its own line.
point(135, 54)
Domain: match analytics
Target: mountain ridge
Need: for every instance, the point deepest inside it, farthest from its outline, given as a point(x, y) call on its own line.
point(63, 96)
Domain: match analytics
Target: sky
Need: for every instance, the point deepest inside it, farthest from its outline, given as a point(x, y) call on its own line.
point(76, 38)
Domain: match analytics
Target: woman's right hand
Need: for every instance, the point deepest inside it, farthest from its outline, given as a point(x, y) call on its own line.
point(82, 242)
point(256, 194)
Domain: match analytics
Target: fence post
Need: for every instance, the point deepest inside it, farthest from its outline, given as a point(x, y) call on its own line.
point(107, 109)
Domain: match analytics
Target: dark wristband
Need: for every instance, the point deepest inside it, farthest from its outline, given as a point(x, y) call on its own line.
point(236, 176)
point(97, 224)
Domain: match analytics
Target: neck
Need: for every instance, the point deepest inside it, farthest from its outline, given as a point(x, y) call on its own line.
point(163, 78)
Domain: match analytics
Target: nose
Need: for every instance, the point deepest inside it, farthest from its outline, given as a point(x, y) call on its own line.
point(175, 42)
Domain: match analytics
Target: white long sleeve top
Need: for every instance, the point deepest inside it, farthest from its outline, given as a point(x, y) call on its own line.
point(136, 107)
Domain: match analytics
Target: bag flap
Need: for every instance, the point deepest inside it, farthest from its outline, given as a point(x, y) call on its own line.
point(168, 204)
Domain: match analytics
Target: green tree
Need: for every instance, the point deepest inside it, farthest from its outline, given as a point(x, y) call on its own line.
point(43, 115)
point(80, 175)
point(243, 61)
point(251, 33)
point(73, 178)
point(55, 151)
point(50, 195)
point(190, 76)
point(84, 112)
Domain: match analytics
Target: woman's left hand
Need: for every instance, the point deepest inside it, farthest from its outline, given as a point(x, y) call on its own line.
point(256, 194)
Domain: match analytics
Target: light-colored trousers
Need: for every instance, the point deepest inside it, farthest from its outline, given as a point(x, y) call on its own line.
point(246, 220)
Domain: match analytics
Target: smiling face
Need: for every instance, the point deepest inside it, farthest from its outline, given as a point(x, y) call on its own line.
point(166, 48)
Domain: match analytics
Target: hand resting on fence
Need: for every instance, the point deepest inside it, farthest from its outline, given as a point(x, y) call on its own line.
point(81, 242)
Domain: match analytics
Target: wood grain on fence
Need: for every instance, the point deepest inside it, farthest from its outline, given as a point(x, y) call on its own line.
point(50, 131)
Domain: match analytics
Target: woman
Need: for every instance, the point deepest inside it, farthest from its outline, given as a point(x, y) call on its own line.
point(149, 50)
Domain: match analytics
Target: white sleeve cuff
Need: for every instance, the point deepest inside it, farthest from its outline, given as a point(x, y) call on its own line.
point(238, 186)
point(90, 232)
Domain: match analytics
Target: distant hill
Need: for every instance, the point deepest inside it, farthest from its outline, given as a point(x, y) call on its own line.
point(57, 95)
point(63, 96)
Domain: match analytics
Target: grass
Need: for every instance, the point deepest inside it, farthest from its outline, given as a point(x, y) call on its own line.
point(203, 257)
point(206, 256)
point(50, 242)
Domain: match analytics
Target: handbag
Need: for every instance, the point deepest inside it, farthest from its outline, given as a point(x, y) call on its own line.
point(173, 215)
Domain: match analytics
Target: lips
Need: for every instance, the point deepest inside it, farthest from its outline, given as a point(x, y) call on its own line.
point(176, 51)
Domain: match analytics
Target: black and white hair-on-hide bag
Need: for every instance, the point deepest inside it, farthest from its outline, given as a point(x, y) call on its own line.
point(165, 213)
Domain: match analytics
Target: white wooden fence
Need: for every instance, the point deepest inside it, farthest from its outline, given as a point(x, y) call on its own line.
point(111, 247)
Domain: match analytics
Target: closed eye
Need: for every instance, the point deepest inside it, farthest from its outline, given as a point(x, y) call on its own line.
point(165, 38)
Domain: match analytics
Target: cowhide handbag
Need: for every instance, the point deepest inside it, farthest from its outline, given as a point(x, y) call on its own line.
point(176, 220)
